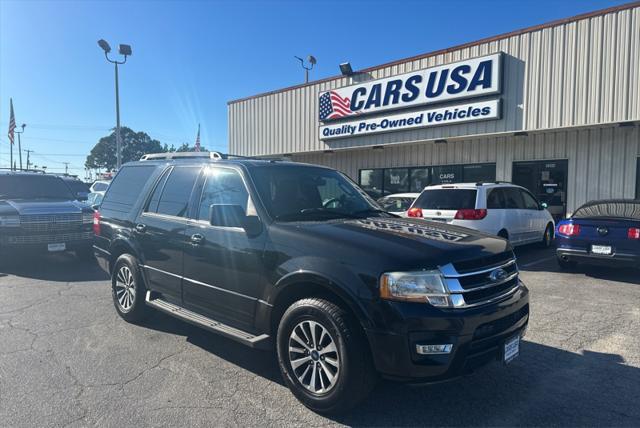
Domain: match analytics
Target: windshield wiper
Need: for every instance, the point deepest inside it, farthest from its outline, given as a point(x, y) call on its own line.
point(310, 211)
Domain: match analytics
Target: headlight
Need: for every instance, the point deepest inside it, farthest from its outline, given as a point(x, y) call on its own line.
point(421, 286)
point(10, 221)
point(87, 218)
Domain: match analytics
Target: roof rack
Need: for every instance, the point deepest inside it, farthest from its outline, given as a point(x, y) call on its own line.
point(198, 155)
point(481, 183)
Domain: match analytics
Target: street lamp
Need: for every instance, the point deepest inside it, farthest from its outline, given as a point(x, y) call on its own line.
point(20, 143)
point(311, 60)
point(124, 50)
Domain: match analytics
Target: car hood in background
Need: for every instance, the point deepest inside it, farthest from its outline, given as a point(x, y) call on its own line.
point(45, 206)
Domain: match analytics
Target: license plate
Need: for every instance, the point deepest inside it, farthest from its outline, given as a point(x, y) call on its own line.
point(601, 249)
point(511, 348)
point(56, 247)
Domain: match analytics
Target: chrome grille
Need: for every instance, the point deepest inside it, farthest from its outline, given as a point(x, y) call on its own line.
point(483, 285)
point(48, 239)
point(39, 223)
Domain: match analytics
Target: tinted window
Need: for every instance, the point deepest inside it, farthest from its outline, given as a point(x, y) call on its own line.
point(495, 199)
point(222, 186)
point(152, 206)
point(513, 198)
point(419, 179)
point(529, 202)
point(33, 187)
point(292, 193)
point(126, 188)
point(371, 181)
point(396, 180)
point(447, 199)
point(176, 192)
point(100, 187)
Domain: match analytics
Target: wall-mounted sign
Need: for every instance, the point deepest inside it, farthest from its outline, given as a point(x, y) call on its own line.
point(481, 110)
point(464, 79)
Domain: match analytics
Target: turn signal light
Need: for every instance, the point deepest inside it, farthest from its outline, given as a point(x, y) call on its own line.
point(569, 229)
point(469, 214)
point(96, 223)
point(414, 212)
point(633, 233)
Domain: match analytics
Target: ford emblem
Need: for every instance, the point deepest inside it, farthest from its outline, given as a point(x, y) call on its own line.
point(498, 275)
point(602, 230)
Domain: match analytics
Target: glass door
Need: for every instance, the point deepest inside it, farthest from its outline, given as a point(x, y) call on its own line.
point(547, 180)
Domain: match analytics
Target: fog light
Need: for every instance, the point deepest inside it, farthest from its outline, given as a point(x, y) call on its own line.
point(434, 349)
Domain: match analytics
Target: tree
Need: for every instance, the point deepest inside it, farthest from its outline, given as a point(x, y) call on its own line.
point(134, 145)
point(185, 147)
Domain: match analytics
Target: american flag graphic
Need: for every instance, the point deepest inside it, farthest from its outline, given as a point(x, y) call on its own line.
point(197, 145)
point(333, 106)
point(12, 122)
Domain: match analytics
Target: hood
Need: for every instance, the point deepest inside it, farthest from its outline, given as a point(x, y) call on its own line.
point(45, 207)
point(400, 243)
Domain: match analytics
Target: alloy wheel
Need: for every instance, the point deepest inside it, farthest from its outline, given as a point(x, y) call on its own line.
point(125, 288)
point(313, 356)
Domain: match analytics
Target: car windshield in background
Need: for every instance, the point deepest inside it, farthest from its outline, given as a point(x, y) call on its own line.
point(33, 187)
point(610, 209)
point(294, 193)
point(77, 186)
point(446, 199)
point(395, 204)
point(100, 187)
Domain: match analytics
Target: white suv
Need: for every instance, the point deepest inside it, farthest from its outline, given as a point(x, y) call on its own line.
point(502, 209)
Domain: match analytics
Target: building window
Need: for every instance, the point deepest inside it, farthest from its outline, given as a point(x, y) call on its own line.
point(638, 180)
point(386, 181)
point(396, 180)
point(371, 181)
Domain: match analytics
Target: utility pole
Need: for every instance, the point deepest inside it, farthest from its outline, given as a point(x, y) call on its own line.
point(28, 153)
point(66, 167)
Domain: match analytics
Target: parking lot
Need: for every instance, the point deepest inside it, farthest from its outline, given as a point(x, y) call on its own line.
point(67, 359)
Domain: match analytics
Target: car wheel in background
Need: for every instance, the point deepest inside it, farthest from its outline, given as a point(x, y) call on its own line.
point(547, 238)
point(127, 289)
point(323, 356)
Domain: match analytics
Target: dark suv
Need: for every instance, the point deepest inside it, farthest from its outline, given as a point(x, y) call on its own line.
point(39, 213)
point(298, 258)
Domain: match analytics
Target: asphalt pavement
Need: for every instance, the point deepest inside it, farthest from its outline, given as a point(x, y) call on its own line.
point(67, 359)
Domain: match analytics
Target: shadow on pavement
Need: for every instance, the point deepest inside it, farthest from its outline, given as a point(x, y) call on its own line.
point(544, 386)
point(64, 267)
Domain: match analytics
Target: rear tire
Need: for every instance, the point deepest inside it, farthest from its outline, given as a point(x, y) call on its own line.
point(128, 290)
point(547, 238)
point(567, 264)
point(324, 357)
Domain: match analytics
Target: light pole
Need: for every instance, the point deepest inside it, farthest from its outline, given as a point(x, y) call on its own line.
point(126, 51)
point(311, 60)
point(20, 144)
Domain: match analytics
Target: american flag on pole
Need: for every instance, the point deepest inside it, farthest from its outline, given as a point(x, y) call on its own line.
point(12, 122)
point(333, 106)
point(197, 145)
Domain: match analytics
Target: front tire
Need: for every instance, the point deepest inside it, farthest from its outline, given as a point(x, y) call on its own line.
point(127, 289)
point(547, 238)
point(324, 357)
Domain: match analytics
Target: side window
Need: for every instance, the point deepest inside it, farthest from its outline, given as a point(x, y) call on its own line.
point(513, 198)
point(152, 206)
point(495, 199)
point(529, 202)
point(126, 188)
point(174, 199)
point(223, 186)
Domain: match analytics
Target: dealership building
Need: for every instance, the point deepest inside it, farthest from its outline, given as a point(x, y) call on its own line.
point(554, 108)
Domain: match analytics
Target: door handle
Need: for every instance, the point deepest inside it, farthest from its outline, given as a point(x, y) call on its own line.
point(141, 228)
point(197, 239)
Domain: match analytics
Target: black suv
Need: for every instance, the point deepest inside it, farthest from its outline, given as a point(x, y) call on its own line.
point(39, 213)
point(298, 258)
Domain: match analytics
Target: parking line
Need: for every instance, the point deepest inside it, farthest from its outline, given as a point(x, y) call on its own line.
point(537, 262)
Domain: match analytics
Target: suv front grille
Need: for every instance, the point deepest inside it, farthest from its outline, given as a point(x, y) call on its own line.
point(483, 262)
point(487, 283)
point(40, 223)
point(47, 239)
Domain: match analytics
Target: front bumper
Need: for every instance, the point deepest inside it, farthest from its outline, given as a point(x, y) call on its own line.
point(477, 334)
point(584, 256)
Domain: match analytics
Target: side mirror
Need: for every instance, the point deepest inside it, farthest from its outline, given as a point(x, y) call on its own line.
point(227, 215)
point(543, 205)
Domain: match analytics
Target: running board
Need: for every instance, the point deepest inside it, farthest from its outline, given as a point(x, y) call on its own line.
point(260, 342)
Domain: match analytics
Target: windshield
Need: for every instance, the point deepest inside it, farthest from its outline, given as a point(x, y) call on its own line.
point(33, 187)
point(294, 193)
point(447, 199)
point(395, 204)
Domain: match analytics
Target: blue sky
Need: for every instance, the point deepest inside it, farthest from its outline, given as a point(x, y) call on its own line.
point(190, 58)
